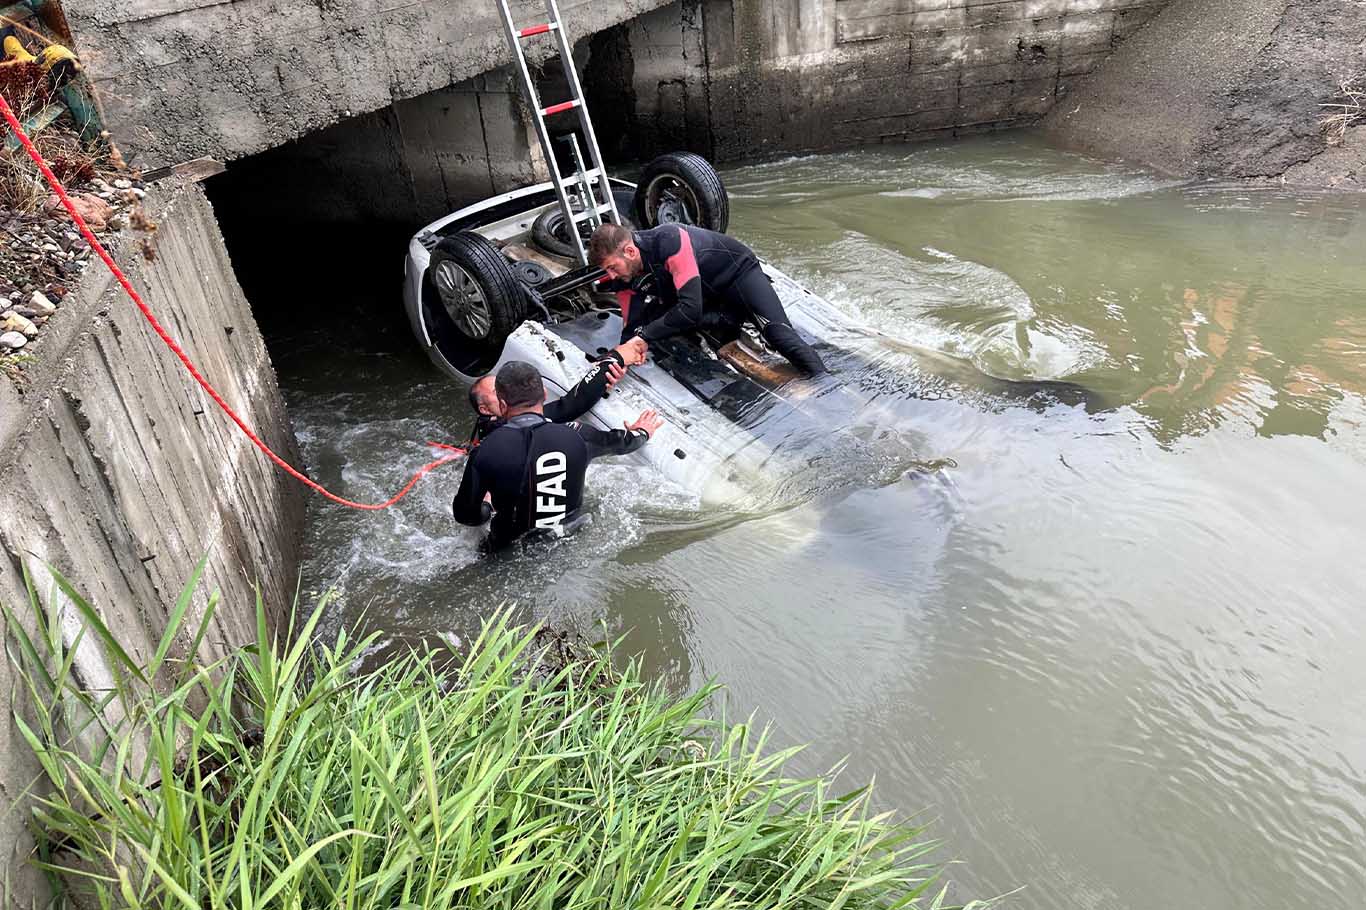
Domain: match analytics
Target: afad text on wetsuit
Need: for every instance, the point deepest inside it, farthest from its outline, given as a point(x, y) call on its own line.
point(551, 495)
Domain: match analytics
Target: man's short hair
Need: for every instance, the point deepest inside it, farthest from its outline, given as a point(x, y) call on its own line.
point(518, 384)
point(606, 240)
point(475, 397)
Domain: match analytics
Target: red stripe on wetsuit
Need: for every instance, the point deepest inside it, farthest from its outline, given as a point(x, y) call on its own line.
point(686, 311)
point(683, 264)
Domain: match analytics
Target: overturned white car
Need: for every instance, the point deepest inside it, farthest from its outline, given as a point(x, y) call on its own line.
point(499, 281)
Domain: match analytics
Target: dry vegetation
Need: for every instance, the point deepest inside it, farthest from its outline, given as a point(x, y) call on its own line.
point(1348, 109)
point(27, 89)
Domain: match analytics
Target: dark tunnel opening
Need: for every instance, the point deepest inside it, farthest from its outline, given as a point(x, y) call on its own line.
point(318, 228)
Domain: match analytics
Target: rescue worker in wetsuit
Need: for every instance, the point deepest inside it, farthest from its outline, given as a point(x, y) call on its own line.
point(675, 278)
point(572, 405)
point(527, 475)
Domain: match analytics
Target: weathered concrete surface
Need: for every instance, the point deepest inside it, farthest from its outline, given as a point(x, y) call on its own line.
point(738, 78)
point(177, 79)
point(1226, 88)
point(409, 163)
point(116, 469)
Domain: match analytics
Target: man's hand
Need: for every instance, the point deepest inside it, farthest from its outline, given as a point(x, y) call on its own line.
point(649, 421)
point(633, 352)
point(614, 373)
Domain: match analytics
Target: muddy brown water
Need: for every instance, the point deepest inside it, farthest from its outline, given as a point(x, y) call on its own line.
point(1115, 652)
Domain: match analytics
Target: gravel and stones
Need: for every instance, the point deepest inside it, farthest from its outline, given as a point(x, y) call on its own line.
point(42, 255)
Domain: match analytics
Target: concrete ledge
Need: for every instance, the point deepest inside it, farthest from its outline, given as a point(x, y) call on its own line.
point(179, 79)
point(116, 468)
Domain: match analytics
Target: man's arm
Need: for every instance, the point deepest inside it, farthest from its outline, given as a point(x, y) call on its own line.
point(585, 393)
point(681, 262)
point(626, 299)
point(469, 506)
point(620, 442)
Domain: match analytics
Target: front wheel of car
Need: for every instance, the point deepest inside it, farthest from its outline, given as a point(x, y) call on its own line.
point(681, 188)
point(477, 291)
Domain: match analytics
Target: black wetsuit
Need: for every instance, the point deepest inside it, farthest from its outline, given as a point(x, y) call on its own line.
point(572, 405)
point(534, 468)
point(693, 277)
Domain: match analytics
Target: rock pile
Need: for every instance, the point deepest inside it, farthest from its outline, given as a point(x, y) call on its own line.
point(42, 255)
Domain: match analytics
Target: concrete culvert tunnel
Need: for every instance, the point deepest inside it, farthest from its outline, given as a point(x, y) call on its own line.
point(318, 227)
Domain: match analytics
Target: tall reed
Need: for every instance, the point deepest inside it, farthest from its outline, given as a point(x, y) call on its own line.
point(283, 777)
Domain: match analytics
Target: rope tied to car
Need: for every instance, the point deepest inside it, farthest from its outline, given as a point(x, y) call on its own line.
point(456, 452)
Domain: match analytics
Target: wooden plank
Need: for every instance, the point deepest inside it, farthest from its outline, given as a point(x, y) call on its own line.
point(765, 368)
point(192, 171)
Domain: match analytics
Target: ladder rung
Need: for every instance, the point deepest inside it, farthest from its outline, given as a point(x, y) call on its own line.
point(588, 213)
point(573, 179)
point(536, 30)
point(560, 108)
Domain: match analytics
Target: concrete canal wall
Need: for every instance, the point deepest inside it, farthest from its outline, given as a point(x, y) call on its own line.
point(1216, 88)
point(738, 78)
point(116, 469)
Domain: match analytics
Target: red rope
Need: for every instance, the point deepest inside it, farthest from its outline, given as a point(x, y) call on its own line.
point(98, 247)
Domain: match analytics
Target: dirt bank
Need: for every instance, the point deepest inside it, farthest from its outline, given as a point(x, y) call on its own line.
point(1231, 88)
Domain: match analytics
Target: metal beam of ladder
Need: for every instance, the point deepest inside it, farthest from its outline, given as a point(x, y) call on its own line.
point(590, 182)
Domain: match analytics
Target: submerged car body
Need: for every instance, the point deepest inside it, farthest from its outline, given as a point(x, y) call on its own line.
point(704, 397)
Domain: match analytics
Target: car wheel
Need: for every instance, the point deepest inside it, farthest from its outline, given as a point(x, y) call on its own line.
point(626, 207)
point(477, 290)
point(550, 234)
point(681, 188)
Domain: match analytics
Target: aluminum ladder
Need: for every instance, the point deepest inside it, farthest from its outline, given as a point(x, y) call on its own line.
point(589, 184)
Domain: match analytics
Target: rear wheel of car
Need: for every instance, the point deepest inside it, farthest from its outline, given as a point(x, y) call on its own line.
point(681, 188)
point(477, 290)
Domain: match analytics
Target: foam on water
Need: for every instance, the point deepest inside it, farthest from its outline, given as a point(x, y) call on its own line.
point(957, 307)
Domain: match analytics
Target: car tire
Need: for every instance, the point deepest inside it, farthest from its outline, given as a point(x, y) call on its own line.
point(681, 187)
point(626, 207)
point(548, 232)
point(477, 290)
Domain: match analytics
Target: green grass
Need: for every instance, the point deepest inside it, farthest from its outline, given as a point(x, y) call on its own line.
point(281, 777)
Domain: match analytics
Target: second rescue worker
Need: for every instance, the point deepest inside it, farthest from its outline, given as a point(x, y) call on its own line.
point(669, 278)
point(528, 474)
